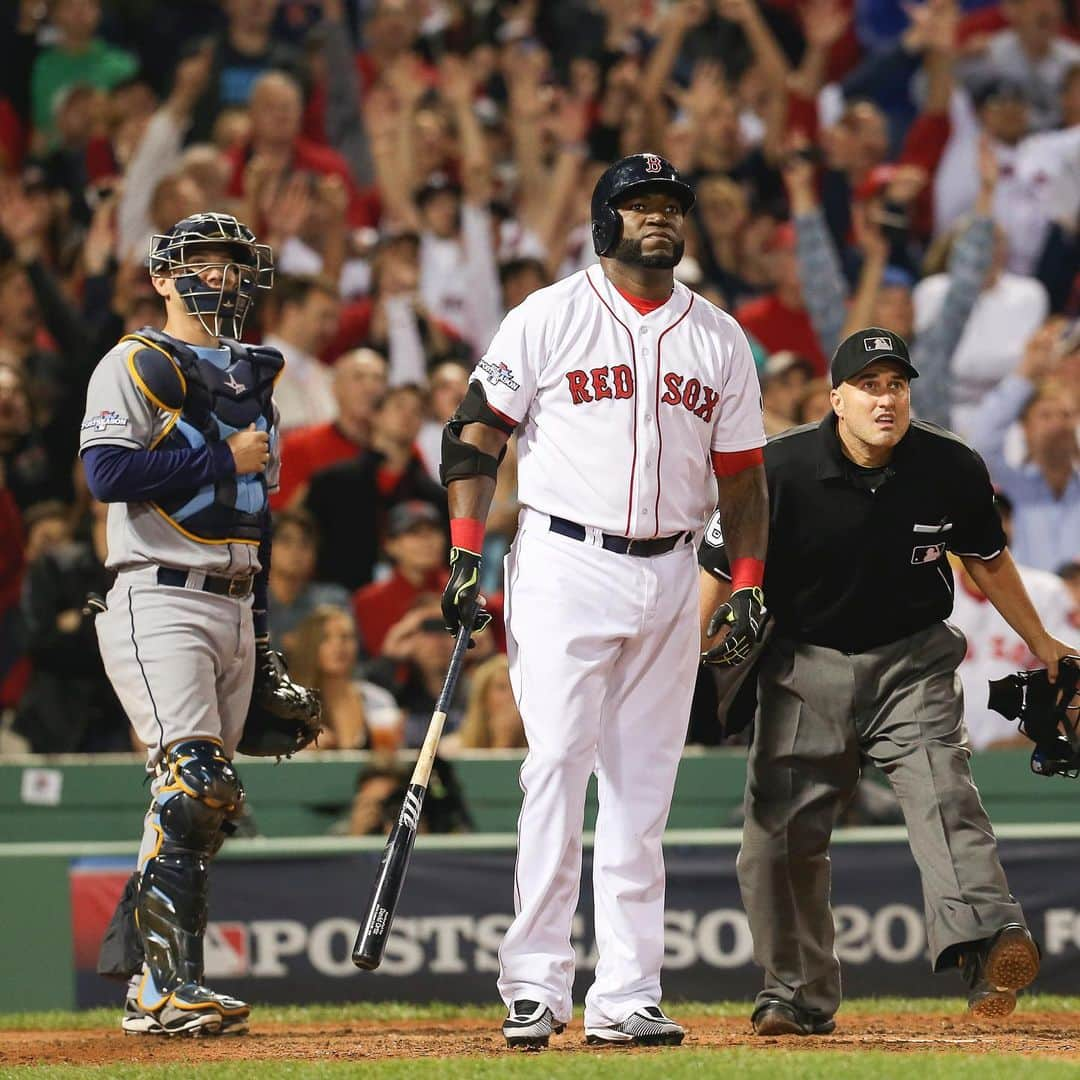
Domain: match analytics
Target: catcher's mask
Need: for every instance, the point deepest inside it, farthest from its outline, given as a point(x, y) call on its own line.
point(1049, 714)
point(222, 309)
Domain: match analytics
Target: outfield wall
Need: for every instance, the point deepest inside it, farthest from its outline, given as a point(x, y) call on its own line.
point(79, 798)
point(284, 914)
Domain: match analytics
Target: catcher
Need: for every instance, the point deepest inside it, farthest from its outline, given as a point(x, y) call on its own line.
point(180, 439)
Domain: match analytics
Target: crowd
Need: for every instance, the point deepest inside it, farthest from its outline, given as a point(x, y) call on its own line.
point(419, 168)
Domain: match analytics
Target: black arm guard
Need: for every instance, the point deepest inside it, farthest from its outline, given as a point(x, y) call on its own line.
point(1047, 713)
point(461, 460)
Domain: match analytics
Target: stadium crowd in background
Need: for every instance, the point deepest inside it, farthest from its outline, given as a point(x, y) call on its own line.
point(420, 167)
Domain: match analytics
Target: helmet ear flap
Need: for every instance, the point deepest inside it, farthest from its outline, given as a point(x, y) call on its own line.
point(606, 229)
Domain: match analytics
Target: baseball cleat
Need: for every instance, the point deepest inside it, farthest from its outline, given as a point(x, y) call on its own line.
point(645, 1027)
point(528, 1025)
point(782, 1018)
point(189, 1010)
point(996, 969)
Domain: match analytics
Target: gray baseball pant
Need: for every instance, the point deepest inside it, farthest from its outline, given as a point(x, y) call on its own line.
point(821, 713)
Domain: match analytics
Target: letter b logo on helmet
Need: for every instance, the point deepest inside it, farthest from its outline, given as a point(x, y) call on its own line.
point(636, 173)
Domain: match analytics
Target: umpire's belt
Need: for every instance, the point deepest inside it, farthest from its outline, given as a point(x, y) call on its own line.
point(236, 587)
point(622, 545)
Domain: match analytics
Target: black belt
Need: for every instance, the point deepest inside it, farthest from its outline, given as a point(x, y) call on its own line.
point(621, 545)
point(237, 587)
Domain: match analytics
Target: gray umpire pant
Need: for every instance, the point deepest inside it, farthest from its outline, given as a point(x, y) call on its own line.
point(821, 713)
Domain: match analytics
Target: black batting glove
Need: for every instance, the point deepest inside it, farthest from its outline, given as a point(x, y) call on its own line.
point(462, 604)
point(744, 614)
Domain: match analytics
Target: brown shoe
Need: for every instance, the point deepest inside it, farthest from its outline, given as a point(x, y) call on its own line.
point(782, 1018)
point(997, 968)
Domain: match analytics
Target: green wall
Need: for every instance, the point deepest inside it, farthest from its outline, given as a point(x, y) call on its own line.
point(78, 799)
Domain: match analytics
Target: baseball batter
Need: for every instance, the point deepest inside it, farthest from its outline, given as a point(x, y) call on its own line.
point(179, 438)
point(628, 392)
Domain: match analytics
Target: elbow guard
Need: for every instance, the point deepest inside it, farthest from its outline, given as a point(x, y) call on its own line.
point(460, 459)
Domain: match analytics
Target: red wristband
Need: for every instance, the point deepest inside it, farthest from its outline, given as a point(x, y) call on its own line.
point(467, 533)
point(747, 574)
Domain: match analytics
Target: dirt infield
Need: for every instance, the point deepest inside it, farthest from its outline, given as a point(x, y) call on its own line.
point(1039, 1034)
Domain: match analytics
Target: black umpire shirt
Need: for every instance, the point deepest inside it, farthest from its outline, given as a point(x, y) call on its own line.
point(856, 557)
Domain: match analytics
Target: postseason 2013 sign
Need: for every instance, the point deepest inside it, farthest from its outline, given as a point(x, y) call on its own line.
point(281, 930)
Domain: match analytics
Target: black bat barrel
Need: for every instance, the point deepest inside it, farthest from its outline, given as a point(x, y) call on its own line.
point(371, 941)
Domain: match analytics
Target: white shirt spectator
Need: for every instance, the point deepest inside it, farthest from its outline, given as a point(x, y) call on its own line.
point(1043, 78)
point(304, 394)
point(1002, 320)
point(995, 649)
point(1038, 183)
point(459, 281)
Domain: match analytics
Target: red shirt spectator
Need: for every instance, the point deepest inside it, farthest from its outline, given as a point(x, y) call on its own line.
point(778, 320)
point(416, 544)
point(359, 384)
point(276, 144)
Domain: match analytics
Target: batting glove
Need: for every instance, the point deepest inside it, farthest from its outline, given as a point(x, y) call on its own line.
point(462, 604)
point(744, 615)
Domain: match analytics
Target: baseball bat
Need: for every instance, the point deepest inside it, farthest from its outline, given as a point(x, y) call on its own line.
point(375, 930)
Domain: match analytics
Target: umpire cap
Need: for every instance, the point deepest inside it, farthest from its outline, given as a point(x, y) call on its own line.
point(640, 173)
point(862, 348)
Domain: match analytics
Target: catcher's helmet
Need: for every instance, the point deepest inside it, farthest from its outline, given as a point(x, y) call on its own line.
point(638, 172)
point(175, 254)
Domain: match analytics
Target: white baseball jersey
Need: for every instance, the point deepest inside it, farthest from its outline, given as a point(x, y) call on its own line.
point(996, 649)
point(620, 410)
point(619, 413)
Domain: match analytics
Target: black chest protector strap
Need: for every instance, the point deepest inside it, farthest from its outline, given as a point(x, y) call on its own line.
point(460, 459)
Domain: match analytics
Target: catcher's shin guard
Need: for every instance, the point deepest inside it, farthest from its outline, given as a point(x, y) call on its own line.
point(201, 793)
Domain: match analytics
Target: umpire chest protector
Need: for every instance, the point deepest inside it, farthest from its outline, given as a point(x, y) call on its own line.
point(209, 403)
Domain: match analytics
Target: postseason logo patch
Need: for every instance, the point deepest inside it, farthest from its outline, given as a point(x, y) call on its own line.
point(107, 418)
point(498, 373)
point(878, 344)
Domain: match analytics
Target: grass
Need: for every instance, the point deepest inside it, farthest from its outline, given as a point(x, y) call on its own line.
point(667, 1064)
point(765, 1062)
point(92, 1019)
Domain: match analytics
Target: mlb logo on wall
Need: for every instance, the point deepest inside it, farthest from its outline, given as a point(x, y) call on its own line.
point(226, 950)
point(878, 344)
point(107, 418)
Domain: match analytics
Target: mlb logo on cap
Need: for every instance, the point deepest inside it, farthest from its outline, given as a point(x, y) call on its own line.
point(653, 164)
point(864, 347)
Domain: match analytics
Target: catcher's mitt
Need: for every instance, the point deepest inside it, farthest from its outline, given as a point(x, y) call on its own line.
point(283, 716)
point(1048, 714)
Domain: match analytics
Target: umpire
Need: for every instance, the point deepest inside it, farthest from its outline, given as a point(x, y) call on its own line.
point(861, 666)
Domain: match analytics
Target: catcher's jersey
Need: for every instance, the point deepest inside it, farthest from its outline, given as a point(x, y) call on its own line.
point(121, 410)
point(995, 649)
point(619, 411)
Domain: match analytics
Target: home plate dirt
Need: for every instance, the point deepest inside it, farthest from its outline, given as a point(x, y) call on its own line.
point(1055, 1034)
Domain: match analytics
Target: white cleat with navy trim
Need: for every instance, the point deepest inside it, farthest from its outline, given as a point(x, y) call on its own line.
point(529, 1024)
point(645, 1027)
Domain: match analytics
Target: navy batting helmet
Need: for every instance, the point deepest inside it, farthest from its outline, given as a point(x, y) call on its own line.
point(640, 173)
point(176, 254)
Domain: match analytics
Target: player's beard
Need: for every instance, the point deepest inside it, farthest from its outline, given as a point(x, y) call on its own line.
point(629, 251)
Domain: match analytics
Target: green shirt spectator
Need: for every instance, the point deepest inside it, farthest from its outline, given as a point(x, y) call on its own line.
point(77, 57)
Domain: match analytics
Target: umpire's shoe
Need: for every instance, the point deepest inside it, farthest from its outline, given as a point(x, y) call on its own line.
point(528, 1025)
point(776, 1017)
point(995, 969)
point(645, 1027)
point(189, 1010)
